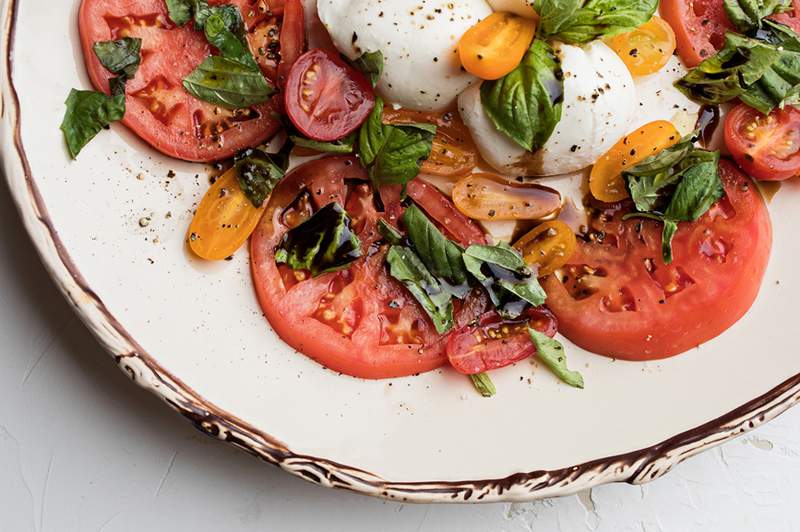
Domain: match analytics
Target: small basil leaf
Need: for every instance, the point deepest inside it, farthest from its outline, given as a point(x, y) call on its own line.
point(180, 11)
point(648, 180)
point(201, 11)
point(551, 352)
point(224, 29)
point(578, 21)
point(117, 86)
point(258, 174)
point(699, 188)
point(525, 104)
point(747, 15)
point(227, 83)
point(87, 113)
point(483, 383)
point(435, 299)
point(500, 269)
point(670, 228)
point(345, 145)
point(389, 233)
point(371, 64)
point(121, 57)
point(441, 256)
point(324, 243)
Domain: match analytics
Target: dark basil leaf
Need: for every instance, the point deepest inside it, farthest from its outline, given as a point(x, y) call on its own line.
point(121, 57)
point(180, 11)
point(648, 180)
point(525, 105)
point(670, 228)
point(324, 243)
point(201, 13)
point(746, 15)
point(389, 233)
point(483, 383)
point(762, 74)
point(699, 188)
point(371, 64)
point(87, 113)
point(551, 352)
point(580, 21)
point(435, 299)
point(227, 83)
point(258, 173)
point(393, 154)
point(505, 276)
point(345, 145)
point(441, 256)
point(224, 30)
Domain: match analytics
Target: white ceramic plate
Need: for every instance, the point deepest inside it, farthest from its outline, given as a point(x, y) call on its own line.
point(193, 334)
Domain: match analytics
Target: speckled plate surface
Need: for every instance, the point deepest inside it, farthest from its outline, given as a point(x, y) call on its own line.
point(193, 333)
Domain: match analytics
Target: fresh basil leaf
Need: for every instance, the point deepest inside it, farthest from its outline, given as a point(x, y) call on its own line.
point(224, 29)
point(525, 104)
point(258, 173)
point(648, 180)
point(371, 64)
point(180, 11)
point(747, 15)
point(201, 11)
point(441, 256)
point(580, 21)
point(764, 72)
point(121, 57)
point(670, 228)
point(227, 83)
point(393, 154)
point(551, 352)
point(511, 285)
point(345, 145)
point(389, 233)
point(699, 188)
point(483, 383)
point(435, 299)
point(87, 113)
point(324, 243)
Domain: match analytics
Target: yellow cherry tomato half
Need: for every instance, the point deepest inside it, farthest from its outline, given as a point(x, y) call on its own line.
point(495, 46)
point(549, 246)
point(490, 197)
point(646, 49)
point(224, 220)
point(606, 181)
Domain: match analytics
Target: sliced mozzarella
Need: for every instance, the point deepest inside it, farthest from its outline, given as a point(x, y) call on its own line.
point(660, 100)
point(599, 102)
point(418, 41)
point(523, 8)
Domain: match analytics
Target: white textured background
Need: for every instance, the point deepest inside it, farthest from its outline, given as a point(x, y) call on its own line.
point(82, 449)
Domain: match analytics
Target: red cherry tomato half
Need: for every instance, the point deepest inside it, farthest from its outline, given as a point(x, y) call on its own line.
point(494, 343)
point(327, 99)
point(766, 147)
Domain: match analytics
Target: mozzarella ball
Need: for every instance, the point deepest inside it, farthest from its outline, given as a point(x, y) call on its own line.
point(599, 103)
point(523, 8)
point(418, 40)
point(658, 99)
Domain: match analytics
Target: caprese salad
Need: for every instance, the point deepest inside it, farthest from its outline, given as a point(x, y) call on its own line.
point(429, 183)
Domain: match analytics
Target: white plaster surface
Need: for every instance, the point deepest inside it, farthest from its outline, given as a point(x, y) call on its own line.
point(82, 449)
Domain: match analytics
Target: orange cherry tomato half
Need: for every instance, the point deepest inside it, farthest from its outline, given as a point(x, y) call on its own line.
point(646, 49)
point(224, 220)
point(454, 153)
point(495, 46)
point(490, 197)
point(549, 246)
point(606, 181)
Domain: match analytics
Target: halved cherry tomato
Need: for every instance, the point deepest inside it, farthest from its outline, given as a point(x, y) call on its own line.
point(292, 38)
point(494, 343)
point(616, 297)
point(159, 110)
point(454, 153)
point(646, 49)
point(549, 246)
point(606, 182)
point(359, 321)
point(224, 219)
point(490, 197)
point(699, 26)
point(327, 99)
point(441, 209)
point(766, 147)
point(495, 46)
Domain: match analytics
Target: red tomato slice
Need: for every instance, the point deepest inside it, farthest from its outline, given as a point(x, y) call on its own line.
point(494, 343)
point(359, 321)
point(699, 27)
point(159, 110)
point(327, 99)
point(617, 298)
point(766, 147)
point(293, 38)
point(444, 213)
